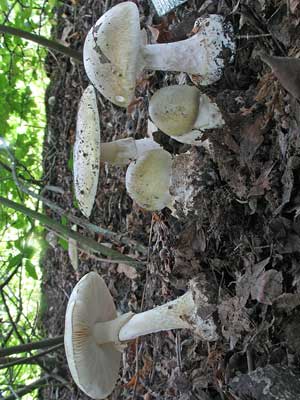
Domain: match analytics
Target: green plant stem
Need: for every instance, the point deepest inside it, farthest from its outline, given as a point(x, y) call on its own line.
point(40, 344)
point(41, 40)
point(86, 243)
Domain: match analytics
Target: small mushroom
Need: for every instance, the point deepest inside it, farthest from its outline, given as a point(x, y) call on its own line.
point(148, 180)
point(89, 151)
point(157, 180)
point(286, 70)
point(114, 54)
point(183, 113)
point(95, 335)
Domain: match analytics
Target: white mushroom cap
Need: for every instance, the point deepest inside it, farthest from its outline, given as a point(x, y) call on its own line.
point(110, 53)
point(87, 151)
point(182, 112)
point(174, 109)
point(148, 179)
point(94, 367)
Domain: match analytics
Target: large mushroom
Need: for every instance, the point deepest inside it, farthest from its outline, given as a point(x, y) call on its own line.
point(89, 151)
point(183, 112)
point(114, 55)
point(95, 335)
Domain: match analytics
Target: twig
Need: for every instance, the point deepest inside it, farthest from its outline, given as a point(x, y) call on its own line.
point(29, 388)
point(41, 344)
point(178, 350)
point(27, 360)
point(9, 278)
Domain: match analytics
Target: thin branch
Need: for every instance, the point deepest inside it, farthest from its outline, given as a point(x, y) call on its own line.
point(41, 40)
point(6, 362)
point(9, 278)
point(13, 323)
point(29, 388)
point(85, 242)
point(41, 344)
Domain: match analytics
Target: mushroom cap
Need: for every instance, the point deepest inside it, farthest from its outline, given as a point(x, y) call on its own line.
point(148, 179)
point(94, 367)
point(87, 151)
point(110, 53)
point(174, 109)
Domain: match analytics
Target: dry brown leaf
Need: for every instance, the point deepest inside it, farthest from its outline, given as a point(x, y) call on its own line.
point(234, 319)
point(294, 5)
point(263, 182)
point(245, 282)
point(129, 271)
point(251, 138)
point(287, 301)
point(267, 287)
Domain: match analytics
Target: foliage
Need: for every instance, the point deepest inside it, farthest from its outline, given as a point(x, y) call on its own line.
point(22, 120)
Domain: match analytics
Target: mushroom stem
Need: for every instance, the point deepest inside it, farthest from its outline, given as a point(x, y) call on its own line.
point(177, 314)
point(184, 56)
point(172, 315)
point(202, 54)
point(123, 151)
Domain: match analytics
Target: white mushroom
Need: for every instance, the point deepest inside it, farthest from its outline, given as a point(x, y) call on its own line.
point(94, 334)
point(156, 180)
point(88, 150)
point(114, 54)
point(182, 112)
point(148, 180)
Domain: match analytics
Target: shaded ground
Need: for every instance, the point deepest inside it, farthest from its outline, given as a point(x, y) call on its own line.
point(242, 236)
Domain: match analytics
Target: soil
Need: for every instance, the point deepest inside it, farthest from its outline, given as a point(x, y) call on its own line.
point(239, 233)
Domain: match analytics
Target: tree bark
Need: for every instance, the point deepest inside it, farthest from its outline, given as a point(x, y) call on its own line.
point(41, 40)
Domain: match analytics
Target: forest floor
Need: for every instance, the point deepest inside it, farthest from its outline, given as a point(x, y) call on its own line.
point(241, 239)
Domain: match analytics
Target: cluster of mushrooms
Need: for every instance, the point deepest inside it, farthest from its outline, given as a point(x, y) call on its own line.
point(114, 57)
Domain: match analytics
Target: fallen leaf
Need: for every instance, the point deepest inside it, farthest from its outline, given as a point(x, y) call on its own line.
point(287, 301)
point(129, 271)
point(262, 183)
point(267, 287)
point(251, 138)
point(294, 5)
point(234, 319)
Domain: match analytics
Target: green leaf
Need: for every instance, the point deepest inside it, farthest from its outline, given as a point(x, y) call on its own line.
point(30, 269)
point(64, 220)
point(64, 243)
point(70, 162)
point(13, 261)
point(28, 251)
